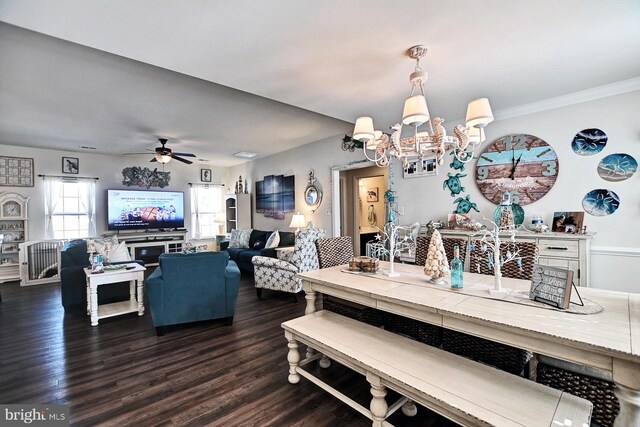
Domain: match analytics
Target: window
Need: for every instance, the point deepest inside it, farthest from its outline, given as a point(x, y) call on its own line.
point(207, 217)
point(69, 208)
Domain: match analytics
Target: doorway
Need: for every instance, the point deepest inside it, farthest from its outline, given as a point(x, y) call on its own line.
point(358, 203)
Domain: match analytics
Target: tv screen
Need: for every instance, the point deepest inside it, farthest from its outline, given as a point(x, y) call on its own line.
point(142, 209)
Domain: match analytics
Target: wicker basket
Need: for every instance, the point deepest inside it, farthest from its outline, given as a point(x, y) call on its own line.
point(352, 310)
point(414, 329)
point(501, 356)
point(597, 391)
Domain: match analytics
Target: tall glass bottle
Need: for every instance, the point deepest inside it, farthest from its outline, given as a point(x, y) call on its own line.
point(456, 269)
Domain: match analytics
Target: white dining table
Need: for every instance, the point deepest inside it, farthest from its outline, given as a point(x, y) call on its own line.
point(608, 340)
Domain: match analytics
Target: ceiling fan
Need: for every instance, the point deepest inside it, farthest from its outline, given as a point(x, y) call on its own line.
point(164, 154)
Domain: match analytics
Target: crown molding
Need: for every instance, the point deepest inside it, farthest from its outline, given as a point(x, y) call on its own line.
point(592, 94)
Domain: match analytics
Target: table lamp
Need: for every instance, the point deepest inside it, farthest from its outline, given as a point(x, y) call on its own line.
point(297, 222)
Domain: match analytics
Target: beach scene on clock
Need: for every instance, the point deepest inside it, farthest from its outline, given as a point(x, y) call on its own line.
point(522, 164)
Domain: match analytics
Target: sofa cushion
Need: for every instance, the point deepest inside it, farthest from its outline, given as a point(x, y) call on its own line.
point(287, 238)
point(247, 254)
point(234, 252)
point(273, 241)
point(259, 244)
point(258, 236)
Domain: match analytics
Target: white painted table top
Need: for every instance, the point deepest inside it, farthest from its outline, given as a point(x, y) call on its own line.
point(615, 332)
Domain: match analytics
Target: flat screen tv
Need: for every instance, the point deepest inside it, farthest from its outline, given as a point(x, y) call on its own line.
point(144, 210)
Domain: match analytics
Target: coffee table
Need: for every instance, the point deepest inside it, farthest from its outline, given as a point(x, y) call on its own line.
point(134, 275)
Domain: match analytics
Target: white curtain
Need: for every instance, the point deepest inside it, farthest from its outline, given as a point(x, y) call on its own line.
point(195, 211)
point(87, 192)
point(52, 193)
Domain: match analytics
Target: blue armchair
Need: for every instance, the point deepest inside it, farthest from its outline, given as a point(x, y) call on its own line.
point(192, 287)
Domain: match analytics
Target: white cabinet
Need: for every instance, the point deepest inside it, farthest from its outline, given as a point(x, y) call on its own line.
point(14, 229)
point(238, 211)
point(572, 251)
point(148, 246)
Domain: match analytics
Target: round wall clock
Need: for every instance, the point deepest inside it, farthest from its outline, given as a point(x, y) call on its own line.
point(524, 165)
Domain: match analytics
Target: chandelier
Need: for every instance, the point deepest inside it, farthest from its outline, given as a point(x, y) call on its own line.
point(432, 141)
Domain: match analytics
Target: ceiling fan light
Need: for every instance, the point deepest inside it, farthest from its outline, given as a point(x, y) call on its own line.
point(363, 130)
point(162, 158)
point(479, 113)
point(415, 111)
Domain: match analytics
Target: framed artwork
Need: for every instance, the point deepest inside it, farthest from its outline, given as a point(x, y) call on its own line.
point(275, 195)
point(70, 165)
point(567, 222)
point(372, 194)
point(205, 175)
point(417, 167)
point(16, 171)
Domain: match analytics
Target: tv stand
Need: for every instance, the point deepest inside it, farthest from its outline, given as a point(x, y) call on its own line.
point(149, 245)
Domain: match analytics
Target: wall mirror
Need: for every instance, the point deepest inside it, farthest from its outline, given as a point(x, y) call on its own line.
point(313, 193)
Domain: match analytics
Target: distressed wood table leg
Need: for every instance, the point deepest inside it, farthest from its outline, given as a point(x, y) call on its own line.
point(140, 295)
point(293, 357)
point(94, 305)
point(88, 298)
point(378, 406)
point(325, 362)
point(310, 296)
point(409, 408)
point(132, 290)
point(626, 375)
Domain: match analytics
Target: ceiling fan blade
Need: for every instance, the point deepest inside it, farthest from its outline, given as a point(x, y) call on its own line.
point(134, 154)
point(173, 156)
point(153, 160)
point(185, 154)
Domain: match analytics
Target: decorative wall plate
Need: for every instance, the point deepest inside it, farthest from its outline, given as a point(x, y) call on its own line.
point(588, 142)
point(617, 167)
point(601, 202)
point(524, 165)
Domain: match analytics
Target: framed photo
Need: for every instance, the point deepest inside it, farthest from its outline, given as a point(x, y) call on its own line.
point(16, 171)
point(417, 167)
point(205, 175)
point(70, 165)
point(372, 194)
point(567, 222)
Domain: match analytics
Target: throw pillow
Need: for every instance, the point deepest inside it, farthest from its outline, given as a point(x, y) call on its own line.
point(273, 241)
point(234, 241)
point(243, 238)
point(259, 244)
point(119, 253)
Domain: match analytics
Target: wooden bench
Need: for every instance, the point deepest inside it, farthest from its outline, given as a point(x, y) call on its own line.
point(462, 390)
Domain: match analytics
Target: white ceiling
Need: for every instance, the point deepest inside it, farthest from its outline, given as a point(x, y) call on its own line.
point(340, 59)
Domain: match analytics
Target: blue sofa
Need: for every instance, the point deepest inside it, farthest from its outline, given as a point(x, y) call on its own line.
point(257, 240)
point(192, 287)
point(73, 282)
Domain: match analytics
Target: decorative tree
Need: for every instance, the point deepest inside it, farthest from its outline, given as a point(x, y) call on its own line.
point(490, 241)
point(436, 265)
point(392, 241)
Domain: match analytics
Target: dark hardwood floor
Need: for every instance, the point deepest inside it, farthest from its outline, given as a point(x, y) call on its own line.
point(121, 373)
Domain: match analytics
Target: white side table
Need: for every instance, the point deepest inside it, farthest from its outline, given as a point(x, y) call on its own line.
point(135, 276)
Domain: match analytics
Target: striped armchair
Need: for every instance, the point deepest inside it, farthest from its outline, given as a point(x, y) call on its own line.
point(280, 274)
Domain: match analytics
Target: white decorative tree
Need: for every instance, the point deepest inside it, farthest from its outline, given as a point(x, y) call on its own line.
point(393, 240)
point(490, 241)
point(436, 265)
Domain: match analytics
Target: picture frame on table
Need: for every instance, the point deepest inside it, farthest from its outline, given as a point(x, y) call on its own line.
point(70, 165)
point(567, 222)
point(205, 175)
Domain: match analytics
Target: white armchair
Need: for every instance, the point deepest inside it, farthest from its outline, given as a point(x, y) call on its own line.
point(280, 274)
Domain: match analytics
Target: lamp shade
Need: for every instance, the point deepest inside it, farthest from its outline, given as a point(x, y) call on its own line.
point(479, 113)
point(298, 221)
point(415, 111)
point(363, 130)
point(163, 158)
point(476, 136)
point(373, 142)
